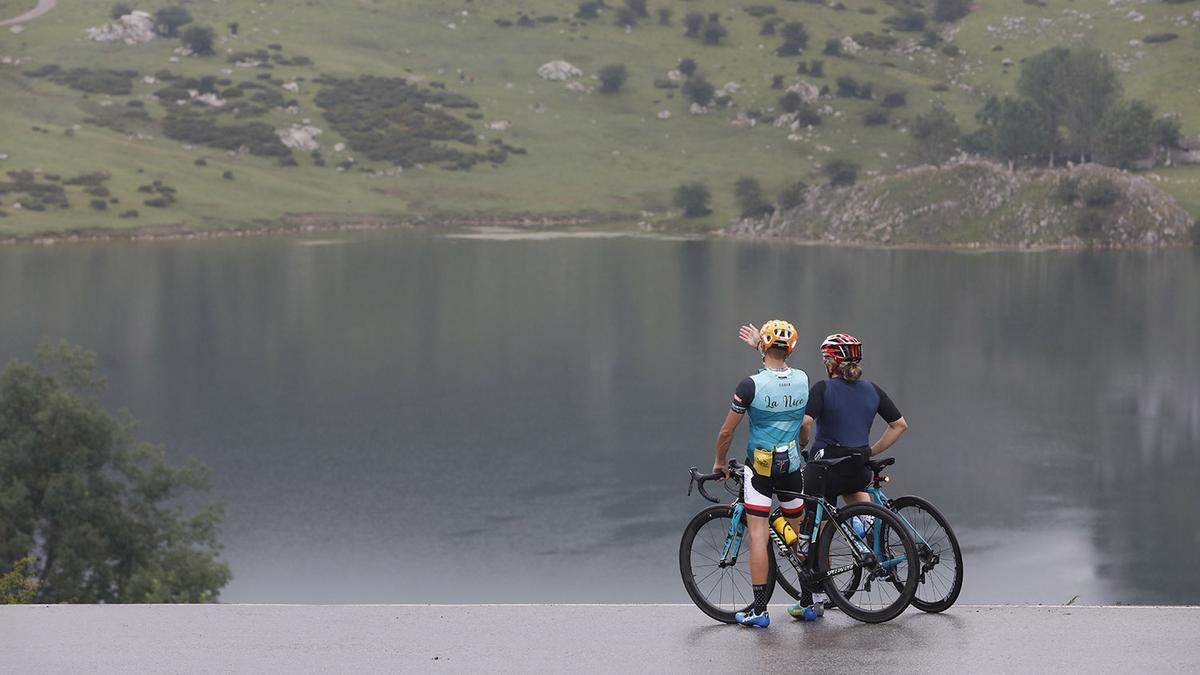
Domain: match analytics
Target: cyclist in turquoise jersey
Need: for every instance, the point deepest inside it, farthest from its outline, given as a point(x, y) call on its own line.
point(775, 399)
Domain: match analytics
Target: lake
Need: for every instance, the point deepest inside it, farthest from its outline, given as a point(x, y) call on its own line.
point(497, 417)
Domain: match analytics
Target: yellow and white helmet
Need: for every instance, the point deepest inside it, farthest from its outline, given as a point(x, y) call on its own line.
point(777, 333)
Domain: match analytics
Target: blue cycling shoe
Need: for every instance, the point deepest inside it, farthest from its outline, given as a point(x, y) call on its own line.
point(806, 612)
point(752, 618)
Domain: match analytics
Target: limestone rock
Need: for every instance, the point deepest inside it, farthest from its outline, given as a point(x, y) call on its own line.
point(558, 70)
point(134, 28)
point(299, 137)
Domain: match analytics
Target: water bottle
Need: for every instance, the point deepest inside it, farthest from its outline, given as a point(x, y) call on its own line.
point(862, 524)
point(784, 529)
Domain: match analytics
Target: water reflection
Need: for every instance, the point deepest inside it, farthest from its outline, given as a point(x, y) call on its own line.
point(411, 418)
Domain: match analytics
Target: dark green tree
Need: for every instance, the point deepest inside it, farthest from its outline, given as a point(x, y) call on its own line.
point(841, 172)
point(199, 39)
point(793, 195)
point(1039, 77)
point(698, 90)
point(16, 586)
point(100, 514)
point(1013, 130)
point(612, 77)
point(1127, 133)
point(1088, 87)
point(693, 198)
point(935, 135)
point(1167, 131)
point(168, 20)
point(950, 10)
point(750, 198)
point(795, 39)
point(714, 32)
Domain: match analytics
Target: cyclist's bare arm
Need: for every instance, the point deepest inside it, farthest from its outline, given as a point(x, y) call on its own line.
point(805, 432)
point(890, 435)
point(724, 439)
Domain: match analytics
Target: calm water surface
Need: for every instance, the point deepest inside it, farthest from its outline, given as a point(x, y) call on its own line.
point(413, 418)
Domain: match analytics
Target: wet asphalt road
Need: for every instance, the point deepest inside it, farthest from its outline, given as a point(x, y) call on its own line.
point(587, 638)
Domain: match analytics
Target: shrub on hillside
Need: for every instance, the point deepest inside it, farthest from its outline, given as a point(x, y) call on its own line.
point(759, 11)
point(848, 87)
point(1099, 192)
point(98, 204)
point(935, 135)
point(907, 22)
point(199, 39)
point(768, 26)
point(693, 198)
point(895, 99)
point(119, 10)
point(875, 117)
point(714, 32)
point(612, 77)
point(664, 16)
point(698, 90)
point(168, 20)
point(750, 198)
point(833, 47)
point(687, 67)
point(792, 196)
point(88, 80)
point(625, 17)
point(1160, 37)
point(692, 23)
point(257, 137)
point(950, 10)
point(795, 39)
point(841, 172)
point(638, 7)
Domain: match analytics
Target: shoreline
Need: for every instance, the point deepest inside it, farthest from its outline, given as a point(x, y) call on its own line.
point(295, 225)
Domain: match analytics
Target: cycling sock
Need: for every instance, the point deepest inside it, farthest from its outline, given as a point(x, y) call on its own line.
point(760, 598)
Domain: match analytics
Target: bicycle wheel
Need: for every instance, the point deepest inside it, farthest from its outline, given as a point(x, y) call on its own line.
point(941, 574)
point(887, 583)
point(719, 592)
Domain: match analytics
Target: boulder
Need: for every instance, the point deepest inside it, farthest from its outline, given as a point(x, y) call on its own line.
point(743, 121)
point(849, 46)
point(697, 109)
point(499, 125)
point(809, 93)
point(664, 114)
point(134, 28)
point(558, 70)
point(299, 137)
point(292, 87)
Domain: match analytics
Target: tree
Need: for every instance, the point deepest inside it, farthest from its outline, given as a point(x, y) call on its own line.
point(625, 17)
point(750, 198)
point(698, 90)
point(1167, 131)
point(100, 515)
point(1039, 76)
point(693, 198)
point(950, 10)
point(693, 22)
point(833, 47)
point(687, 67)
point(119, 10)
point(714, 32)
point(1127, 133)
point(907, 22)
point(790, 102)
point(612, 77)
point(199, 39)
point(841, 172)
point(168, 20)
point(1088, 87)
point(1013, 130)
point(795, 39)
point(792, 196)
point(935, 135)
point(16, 586)
point(638, 7)
point(589, 9)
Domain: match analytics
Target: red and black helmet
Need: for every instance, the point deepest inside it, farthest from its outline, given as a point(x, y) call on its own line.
point(842, 348)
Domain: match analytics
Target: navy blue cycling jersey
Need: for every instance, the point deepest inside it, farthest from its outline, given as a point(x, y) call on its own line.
point(845, 410)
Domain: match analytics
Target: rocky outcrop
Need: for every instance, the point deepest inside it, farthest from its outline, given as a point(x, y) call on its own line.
point(132, 29)
point(974, 203)
point(558, 70)
point(299, 137)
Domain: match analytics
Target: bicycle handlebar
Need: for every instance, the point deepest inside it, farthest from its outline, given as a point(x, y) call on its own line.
point(699, 479)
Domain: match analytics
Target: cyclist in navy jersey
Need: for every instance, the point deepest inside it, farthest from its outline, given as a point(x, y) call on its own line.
point(844, 408)
point(774, 398)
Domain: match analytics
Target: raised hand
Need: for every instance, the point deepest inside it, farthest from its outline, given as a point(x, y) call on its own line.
point(749, 334)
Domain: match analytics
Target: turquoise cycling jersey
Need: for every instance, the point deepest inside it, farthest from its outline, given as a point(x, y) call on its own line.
point(775, 401)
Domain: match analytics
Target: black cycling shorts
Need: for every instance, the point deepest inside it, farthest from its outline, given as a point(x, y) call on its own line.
point(831, 480)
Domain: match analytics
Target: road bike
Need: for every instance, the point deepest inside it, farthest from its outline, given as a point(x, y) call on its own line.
point(875, 560)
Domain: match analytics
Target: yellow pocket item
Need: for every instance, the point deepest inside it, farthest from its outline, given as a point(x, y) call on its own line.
point(762, 461)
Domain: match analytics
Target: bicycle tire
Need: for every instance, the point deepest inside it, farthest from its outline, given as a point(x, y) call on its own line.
point(695, 581)
point(895, 528)
point(939, 600)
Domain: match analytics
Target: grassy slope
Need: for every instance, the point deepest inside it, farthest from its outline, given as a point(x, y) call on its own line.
point(586, 151)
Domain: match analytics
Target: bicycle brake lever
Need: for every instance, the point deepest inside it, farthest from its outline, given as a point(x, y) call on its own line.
point(691, 480)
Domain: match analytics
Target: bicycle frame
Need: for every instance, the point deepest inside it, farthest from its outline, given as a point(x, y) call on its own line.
point(878, 496)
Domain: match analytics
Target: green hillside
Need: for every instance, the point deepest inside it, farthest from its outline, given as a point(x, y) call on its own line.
point(568, 153)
